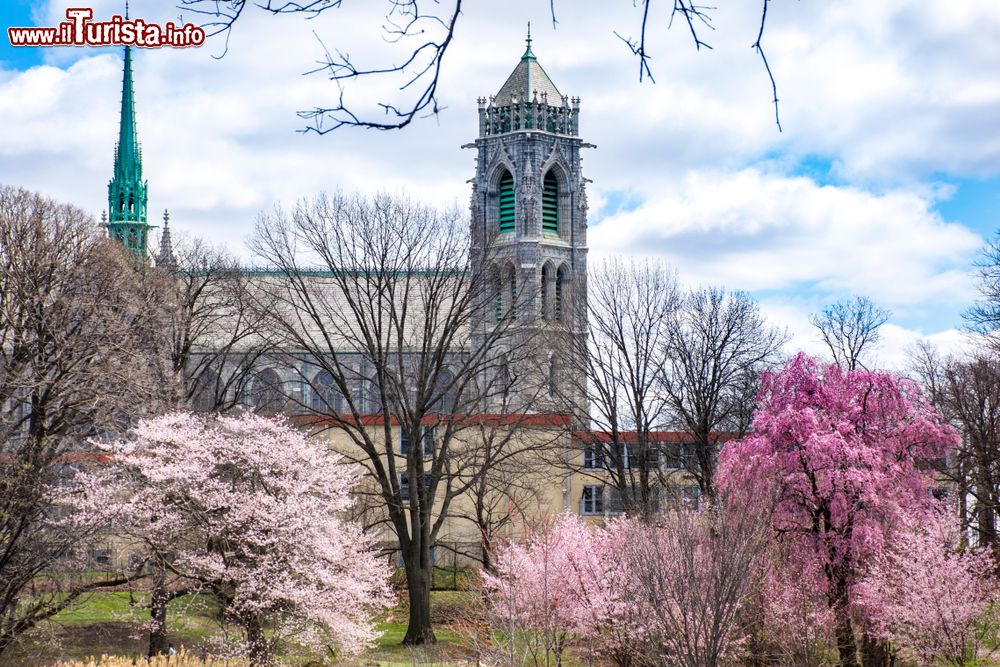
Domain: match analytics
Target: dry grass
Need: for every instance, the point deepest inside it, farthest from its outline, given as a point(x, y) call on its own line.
point(179, 660)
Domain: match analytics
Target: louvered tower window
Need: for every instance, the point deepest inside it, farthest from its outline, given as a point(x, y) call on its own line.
point(506, 208)
point(550, 204)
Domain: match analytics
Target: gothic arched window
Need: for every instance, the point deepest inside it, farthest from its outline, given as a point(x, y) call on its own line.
point(560, 295)
point(546, 277)
point(505, 205)
point(326, 395)
point(550, 204)
point(445, 400)
point(266, 394)
point(203, 397)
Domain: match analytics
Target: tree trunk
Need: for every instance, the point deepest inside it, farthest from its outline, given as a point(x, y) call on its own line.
point(159, 598)
point(875, 652)
point(846, 646)
point(418, 583)
point(258, 643)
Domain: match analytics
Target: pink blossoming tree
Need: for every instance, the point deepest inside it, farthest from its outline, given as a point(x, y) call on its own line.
point(929, 597)
point(845, 455)
point(681, 590)
point(537, 596)
point(248, 510)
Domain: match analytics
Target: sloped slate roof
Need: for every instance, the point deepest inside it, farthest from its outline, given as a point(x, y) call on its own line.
point(527, 78)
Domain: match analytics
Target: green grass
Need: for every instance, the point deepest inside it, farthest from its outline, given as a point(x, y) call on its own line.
point(190, 618)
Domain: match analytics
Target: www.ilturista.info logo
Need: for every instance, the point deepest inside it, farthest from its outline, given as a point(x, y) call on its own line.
point(79, 30)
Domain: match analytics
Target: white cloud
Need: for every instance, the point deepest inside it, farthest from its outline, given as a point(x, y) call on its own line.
point(897, 95)
point(765, 231)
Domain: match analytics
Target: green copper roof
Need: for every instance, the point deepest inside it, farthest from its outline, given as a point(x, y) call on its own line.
point(128, 159)
point(127, 191)
point(527, 79)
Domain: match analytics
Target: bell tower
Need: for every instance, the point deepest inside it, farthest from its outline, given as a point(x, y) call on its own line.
point(127, 191)
point(529, 224)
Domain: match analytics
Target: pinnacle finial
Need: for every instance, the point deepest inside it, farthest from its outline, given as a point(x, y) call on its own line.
point(527, 51)
point(166, 218)
point(126, 8)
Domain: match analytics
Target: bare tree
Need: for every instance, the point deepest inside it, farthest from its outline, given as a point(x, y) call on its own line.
point(849, 328)
point(972, 395)
point(984, 317)
point(422, 33)
point(217, 347)
point(508, 479)
point(380, 331)
point(719, 344)
point(630, 309)
point(81, 343)
point(966, 391)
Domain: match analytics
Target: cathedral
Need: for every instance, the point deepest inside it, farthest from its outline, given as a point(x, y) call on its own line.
point(528, 207)
point(528, 233)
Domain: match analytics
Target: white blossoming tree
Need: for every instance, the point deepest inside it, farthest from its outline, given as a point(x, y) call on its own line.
point(248, 510)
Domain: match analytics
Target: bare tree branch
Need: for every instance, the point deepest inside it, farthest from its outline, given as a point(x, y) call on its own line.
point(426, 37)
point(849, 328)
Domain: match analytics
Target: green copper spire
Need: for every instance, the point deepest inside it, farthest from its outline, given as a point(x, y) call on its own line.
point(127, 192)
point(528, 55)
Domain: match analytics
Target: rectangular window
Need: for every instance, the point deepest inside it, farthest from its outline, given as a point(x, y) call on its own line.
point(674, 455)
point(404, 485)
point(615, 504)
point(593, 457)
point(592, 499)
point(427, 438)
point(636, 458)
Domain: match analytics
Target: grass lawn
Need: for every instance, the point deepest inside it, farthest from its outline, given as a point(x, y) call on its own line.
point(110, 622)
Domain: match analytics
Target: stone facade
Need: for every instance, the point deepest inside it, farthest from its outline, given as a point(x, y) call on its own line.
point(529, 133)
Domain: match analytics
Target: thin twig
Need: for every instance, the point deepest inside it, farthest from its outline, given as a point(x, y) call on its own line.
point(760, 50)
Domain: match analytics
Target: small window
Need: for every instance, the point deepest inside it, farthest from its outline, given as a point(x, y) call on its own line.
point(404, 485)
point(636, 458)
point(615, 504)
point(550, 204)
point(427, 438)
point(592, 500)
point(506, 203)
point(593, 456)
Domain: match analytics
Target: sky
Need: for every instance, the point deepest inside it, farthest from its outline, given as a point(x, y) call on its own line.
point(884, 180)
